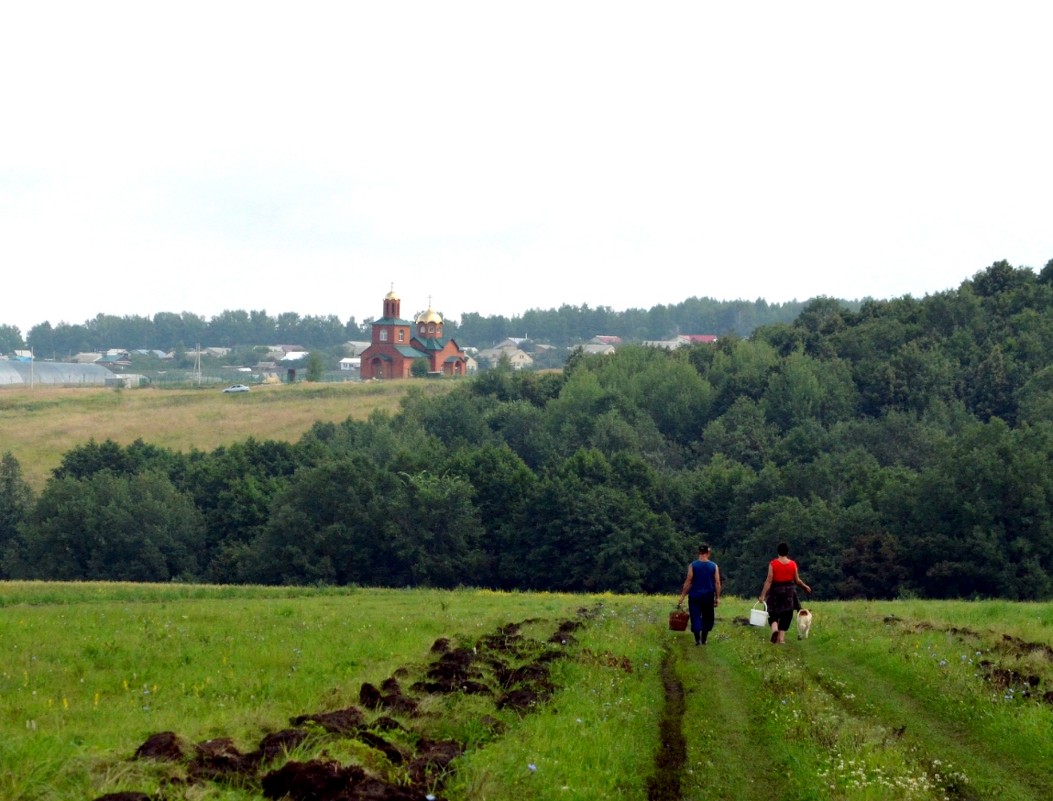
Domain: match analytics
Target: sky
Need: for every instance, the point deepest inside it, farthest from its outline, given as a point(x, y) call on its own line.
point(496, 157)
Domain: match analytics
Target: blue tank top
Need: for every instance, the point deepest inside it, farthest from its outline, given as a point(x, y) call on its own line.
point(702, 573)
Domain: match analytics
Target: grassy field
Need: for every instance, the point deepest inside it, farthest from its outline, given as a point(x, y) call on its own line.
point(558, 696)
point(39, 425)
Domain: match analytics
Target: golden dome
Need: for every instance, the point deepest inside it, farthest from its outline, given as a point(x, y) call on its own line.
point(430, 316)
point(391, 295)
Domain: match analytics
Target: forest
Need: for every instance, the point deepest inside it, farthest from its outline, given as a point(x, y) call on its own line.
point(903, 449)
point(563, 327)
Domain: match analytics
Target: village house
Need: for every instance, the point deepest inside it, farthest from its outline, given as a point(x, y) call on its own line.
point(354, 347)
point(508, 349)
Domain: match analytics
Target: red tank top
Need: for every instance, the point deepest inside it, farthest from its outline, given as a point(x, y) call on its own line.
point(783, 572)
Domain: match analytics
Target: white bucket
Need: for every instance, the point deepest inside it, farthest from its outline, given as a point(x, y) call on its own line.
point(759, 617)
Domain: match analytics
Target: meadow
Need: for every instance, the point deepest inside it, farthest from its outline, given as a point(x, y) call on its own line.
point(39, 425)
point(555, 697)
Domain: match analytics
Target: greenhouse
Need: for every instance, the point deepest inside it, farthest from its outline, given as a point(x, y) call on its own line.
point(55, 374)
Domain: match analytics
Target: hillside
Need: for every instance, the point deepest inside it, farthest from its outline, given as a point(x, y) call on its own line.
point(903, 450)
point(41, 424)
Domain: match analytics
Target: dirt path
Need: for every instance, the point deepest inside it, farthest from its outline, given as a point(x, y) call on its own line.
point(664, 784)
point(723, 728)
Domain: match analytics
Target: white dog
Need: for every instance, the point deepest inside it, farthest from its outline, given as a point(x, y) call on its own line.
point(804, 624)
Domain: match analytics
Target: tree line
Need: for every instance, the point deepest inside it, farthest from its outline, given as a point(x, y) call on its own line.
point(562, 327)
point(904, 448)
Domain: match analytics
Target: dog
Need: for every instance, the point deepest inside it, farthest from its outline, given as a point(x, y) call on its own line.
point(804, 624)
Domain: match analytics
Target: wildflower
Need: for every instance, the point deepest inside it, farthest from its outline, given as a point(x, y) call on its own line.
point(531, 767)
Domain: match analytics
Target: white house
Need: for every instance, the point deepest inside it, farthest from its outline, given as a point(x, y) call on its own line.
point(517, 358)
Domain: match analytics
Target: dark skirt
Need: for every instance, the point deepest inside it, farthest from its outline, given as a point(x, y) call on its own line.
point(782, 598)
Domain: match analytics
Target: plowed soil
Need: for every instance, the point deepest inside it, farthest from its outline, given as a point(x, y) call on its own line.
point(505, 665)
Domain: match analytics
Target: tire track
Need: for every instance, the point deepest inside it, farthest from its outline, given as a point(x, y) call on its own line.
point(876, 697)
point(664, 784)
point(727, 729)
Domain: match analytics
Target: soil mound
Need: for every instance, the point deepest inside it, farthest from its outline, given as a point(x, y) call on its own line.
point(164, 745)
point(340, 721)
point(505, 664)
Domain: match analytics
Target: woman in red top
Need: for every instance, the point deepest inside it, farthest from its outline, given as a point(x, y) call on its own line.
point(780, 592)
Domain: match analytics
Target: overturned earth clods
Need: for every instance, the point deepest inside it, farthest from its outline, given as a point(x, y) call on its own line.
point(1009, 649)
point(506, 665)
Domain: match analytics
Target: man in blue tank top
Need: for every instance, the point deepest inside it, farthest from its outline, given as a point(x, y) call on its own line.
point(702, 589)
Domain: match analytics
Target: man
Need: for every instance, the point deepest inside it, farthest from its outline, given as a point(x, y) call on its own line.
point(702, 589)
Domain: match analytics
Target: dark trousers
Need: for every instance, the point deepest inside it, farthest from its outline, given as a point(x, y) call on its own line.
point(702, 615)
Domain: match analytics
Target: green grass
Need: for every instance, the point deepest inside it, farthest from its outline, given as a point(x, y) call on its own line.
point(897, 700)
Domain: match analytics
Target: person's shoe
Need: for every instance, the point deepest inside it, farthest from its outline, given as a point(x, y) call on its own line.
point(774, 637)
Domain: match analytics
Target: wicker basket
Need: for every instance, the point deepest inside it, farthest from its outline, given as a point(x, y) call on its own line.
point(678, 620)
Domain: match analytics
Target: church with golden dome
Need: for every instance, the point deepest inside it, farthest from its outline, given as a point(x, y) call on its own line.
point(396, 344)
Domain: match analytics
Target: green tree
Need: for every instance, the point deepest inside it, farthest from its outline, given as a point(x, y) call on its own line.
point(990, 390)
point(712, 496)
point(113, 528)
point(86, 460)
point(439, 533)
point(1035, 398)
point(1000, 277)
point(233, 487)
point(978, 521)
point(571, 420)
point(741, 434)
point(456, 418)
point(739, 370)
point(500, 482)
point(16, 502)
point(229, 328)
point(41, 339)
point(580, 532)
point(10, 339)
point(331, 524)
point(315, 366)
point(871, 568)
point(521, 425)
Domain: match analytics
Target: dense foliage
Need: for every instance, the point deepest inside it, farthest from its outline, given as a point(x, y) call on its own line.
point(902, 449)
point(562, 327)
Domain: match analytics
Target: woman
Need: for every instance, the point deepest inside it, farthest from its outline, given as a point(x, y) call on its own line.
point(780, 593)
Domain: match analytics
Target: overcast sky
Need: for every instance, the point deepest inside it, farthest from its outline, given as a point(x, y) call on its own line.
point(498, 157)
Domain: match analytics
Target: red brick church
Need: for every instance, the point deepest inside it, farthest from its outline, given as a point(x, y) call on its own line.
point(396, 344)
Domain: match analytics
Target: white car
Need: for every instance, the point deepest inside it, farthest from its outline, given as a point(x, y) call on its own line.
point(237, 388)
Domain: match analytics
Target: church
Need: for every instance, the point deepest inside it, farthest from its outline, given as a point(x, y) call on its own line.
point(396, 344)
